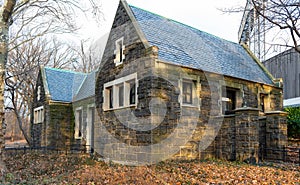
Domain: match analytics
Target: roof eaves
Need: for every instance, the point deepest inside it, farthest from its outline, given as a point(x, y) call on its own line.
point(135, 24)
point(76, 93)
point(64, 70)
point(189, 67)
point(44, 80)
point(265, 70)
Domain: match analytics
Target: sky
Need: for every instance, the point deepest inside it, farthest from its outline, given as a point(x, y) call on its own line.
point(200, 14)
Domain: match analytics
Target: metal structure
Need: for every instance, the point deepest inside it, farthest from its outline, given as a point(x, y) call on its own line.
point(252, 31)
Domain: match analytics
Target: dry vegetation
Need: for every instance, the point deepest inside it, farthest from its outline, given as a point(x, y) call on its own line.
point(34, 168)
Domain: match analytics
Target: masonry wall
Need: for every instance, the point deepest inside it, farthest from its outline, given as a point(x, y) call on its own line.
point(60, 128)
point(86, 105)
point(176, 130)
point(38, 137)
point(57, 128)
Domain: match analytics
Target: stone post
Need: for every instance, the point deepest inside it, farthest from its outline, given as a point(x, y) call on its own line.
point(247, 134)
point(276, 135)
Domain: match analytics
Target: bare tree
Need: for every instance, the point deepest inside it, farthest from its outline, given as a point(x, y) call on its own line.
point(28, 20)
point(269, 26)
point(284, 15)
point(22, 68)
point(88, 57)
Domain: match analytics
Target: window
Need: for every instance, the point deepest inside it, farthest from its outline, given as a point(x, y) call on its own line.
point(187, 92)
point(38, 115)
point(111, 95)
point(132, 94)
point(120, 93)
point(39, 93)
point(262, 102)
point(228, 100)
point(78, 123)
point(119, 52)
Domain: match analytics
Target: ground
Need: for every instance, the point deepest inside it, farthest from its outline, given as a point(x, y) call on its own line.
point(39, 168)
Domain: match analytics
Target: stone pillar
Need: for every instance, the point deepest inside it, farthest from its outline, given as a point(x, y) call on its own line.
point(276, 135)
point(247, 134)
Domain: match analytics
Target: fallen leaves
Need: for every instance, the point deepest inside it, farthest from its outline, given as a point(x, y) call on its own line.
point(37, 168)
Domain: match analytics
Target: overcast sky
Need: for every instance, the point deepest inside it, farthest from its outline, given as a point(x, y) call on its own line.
point(203, 15)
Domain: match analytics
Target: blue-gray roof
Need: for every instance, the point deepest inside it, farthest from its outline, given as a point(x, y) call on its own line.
point(63, 84)
point(87, 88)
point(186, 46)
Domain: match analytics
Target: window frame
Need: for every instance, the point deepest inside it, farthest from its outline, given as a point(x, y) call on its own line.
point(38, 115)
point(119, 51)
point(228, 99)
point(39, 93)
point(125, 82)
point(78, 123)
point(185, 93)
point(195, 100)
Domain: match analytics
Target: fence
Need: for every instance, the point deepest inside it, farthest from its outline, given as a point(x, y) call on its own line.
point(291, 154)
point(70, 149)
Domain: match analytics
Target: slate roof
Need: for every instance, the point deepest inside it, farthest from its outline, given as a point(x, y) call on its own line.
point(186, 46)
point(63, 84)
point(87, 88)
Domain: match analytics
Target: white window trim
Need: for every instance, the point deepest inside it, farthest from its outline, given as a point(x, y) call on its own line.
point(117, 52)
point(39, 93)
point(195, 99)
point(38, 115)
point(115, 84)
point(239, 94)
point(77, 129)
point(88, 128)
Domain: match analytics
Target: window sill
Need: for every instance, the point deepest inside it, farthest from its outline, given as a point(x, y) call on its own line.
point(120, 108)
point(38, 123)
point(190, 106)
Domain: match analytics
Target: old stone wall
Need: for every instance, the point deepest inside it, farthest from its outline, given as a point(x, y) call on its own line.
point(38, 130)
point(160, 125)
point(60, 128)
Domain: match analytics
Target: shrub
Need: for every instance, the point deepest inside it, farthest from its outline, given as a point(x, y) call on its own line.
point(293, 121)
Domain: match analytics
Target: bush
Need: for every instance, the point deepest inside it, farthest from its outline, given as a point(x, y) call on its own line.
point(293, 121)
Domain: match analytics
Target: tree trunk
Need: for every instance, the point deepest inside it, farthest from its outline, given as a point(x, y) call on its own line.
point(3, 59)
point(20, 123)
point(6, 12)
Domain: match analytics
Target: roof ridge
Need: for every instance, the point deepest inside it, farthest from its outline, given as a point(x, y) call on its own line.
point(65, 70)
point(178, 22)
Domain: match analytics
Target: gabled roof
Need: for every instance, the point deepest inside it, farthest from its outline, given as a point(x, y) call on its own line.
point(62, 84)
point(186, 46)
point(87, 88)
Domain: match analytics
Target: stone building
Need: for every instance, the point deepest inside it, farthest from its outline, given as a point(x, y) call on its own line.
point(57, 112)
point(167, 90)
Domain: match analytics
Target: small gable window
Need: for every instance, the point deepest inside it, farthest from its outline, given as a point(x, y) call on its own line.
point(119, 52)
point(38, 115)
point(120, 93)
point(39, 93)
